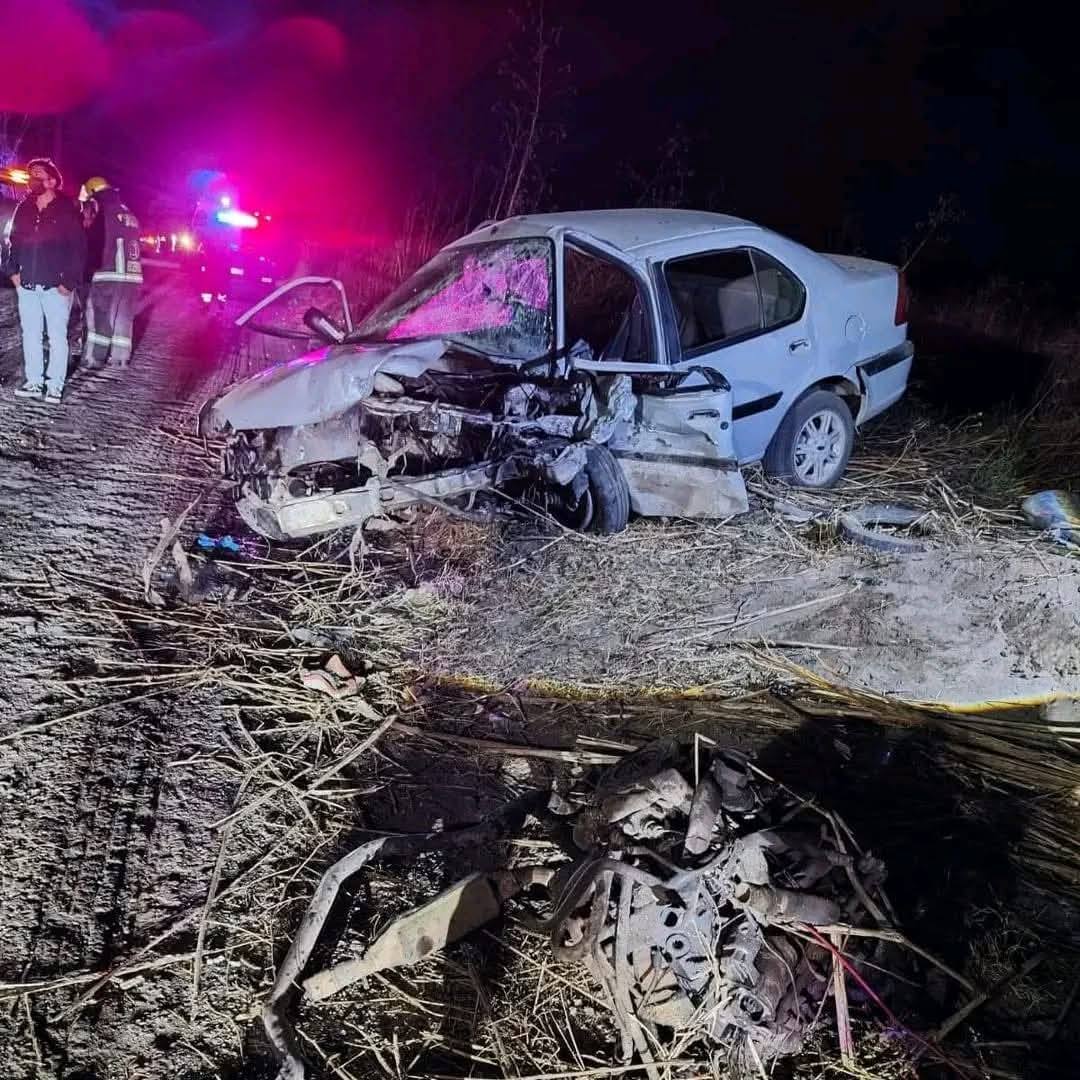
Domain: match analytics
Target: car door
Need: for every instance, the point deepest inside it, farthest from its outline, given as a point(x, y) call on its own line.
point(276, 329)
point(676, 450)
point(742, 313)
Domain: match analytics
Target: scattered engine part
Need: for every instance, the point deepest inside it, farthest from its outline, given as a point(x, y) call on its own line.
point(688, 903)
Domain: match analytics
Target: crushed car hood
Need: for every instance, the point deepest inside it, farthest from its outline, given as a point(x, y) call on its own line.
point(323, 383)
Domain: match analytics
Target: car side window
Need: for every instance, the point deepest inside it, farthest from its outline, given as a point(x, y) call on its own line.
point(782, 294)
point(716, 297)
point(604, 308)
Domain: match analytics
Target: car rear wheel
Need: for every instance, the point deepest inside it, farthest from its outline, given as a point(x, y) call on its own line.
point(601, 504)
point(813, 443)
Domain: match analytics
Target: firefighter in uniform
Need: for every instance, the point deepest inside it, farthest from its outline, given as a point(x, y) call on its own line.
point(116, 279)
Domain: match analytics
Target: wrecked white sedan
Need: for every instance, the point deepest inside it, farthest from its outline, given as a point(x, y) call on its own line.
point(590, 363)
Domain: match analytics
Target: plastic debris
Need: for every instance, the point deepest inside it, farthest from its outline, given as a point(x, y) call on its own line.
point(797, 515)
point(333, 679)
point(1058, 512)
point(864, 525)
point(217, 543)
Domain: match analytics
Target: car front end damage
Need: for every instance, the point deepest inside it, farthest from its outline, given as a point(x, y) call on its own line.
point(443, 429)
point(433, 434)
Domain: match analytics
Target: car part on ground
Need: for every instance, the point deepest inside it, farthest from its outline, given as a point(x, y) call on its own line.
point(683, 342)
point(683, 896)
point(692, 906)
point(865, 524)
point(275, 1017)
point(1058, 512)
point(458, 910)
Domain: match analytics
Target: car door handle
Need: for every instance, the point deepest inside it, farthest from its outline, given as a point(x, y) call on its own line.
point(801, 343)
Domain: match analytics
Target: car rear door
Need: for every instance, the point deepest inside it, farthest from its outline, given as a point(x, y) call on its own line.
point(742, 313)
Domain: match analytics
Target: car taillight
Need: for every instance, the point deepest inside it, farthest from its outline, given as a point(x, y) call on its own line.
point(902, 299)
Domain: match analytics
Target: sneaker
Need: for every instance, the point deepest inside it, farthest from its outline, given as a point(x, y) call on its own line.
point(29, 390)
point(54, 397)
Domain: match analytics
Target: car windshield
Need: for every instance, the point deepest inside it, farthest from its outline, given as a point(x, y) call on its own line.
point(495, 297)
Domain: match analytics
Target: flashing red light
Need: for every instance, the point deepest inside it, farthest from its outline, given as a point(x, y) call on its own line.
point(239, 219)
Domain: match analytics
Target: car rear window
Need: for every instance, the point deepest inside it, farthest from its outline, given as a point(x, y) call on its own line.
point(715, 296)
point(728, 295)
point(782, 293)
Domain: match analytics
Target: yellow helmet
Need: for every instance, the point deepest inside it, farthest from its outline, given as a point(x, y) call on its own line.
point(95, 184)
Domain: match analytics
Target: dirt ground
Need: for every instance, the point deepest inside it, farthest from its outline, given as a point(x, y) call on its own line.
point(968, 620)
point(119, 762)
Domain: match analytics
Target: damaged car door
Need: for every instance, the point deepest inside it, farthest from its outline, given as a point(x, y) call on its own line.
point(299, 315)
point(676, 450)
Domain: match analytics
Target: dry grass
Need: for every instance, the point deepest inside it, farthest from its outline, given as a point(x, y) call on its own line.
point(496, 1005)
point(501, 999)
point(1039, 440)
point(1011, 752)
point(295, 761)
point(678, 600)
point(1000, 945)
point(301, 790)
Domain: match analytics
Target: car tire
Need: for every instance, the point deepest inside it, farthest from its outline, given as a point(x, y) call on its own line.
point(597, 501)
point(823, 420)
point(610, 493)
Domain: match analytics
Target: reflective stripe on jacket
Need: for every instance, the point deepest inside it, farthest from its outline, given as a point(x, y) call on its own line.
point(115, 246)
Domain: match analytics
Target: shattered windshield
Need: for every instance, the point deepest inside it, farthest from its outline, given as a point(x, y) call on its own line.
point(496, 297)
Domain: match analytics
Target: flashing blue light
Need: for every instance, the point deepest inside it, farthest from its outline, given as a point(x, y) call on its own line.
point(237, 218)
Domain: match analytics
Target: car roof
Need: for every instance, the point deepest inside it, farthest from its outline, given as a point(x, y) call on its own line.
point(628, 230)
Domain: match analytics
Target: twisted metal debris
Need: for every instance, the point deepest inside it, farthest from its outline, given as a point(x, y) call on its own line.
point(692, 905)
point(686, 902)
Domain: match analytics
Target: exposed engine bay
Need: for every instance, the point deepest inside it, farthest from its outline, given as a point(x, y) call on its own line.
point(695, 906)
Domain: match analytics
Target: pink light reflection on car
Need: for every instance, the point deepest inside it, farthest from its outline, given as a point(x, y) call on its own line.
point(480, 299)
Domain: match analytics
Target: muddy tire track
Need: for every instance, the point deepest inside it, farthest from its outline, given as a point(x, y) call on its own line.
point(97, 841)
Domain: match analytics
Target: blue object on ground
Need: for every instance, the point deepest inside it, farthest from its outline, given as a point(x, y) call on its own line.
point(223, 543)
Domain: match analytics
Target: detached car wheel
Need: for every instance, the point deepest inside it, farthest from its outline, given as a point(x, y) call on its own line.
point(598, 501)
point(813, 443)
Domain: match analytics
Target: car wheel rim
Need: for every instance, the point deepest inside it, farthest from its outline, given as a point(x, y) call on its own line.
point(571, 513)
point(819, 448)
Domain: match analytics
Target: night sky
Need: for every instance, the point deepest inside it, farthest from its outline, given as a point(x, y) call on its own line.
point(838, 123)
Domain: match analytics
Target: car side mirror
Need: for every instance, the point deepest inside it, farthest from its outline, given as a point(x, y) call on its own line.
point(323, 327)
